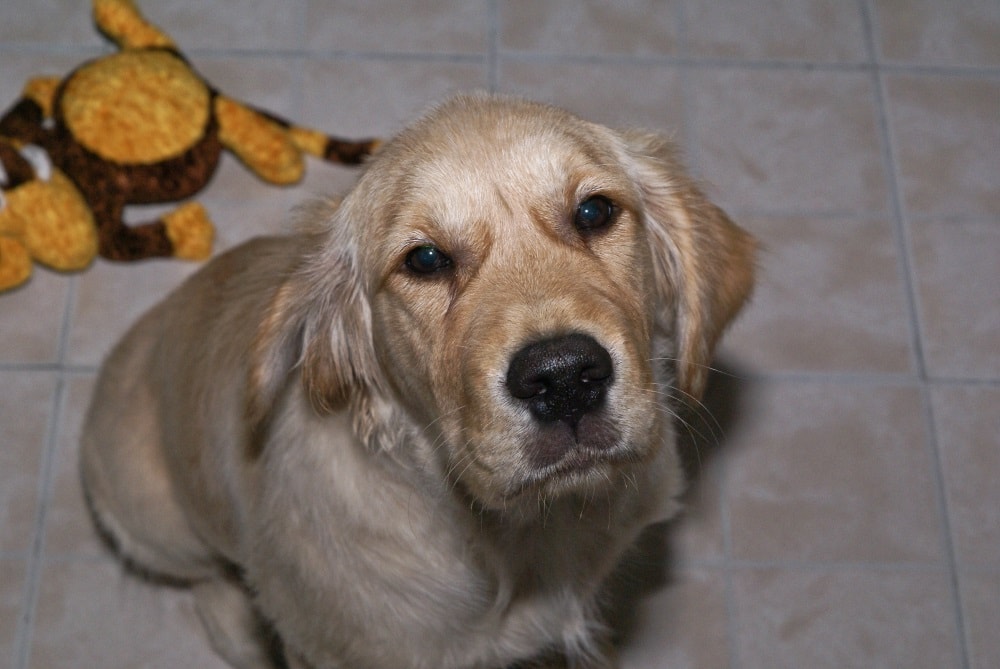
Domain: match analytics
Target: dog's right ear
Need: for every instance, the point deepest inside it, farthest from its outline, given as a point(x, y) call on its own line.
point(318, 324)
point(704, 262)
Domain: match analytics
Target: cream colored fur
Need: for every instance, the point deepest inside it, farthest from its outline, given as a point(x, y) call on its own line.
point(321, 442)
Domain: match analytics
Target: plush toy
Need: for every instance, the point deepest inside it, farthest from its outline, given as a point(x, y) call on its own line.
point(138, 126)
point(42, 216)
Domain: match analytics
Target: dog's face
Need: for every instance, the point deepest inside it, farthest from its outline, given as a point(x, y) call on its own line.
point(512, 307)
point(522, 290)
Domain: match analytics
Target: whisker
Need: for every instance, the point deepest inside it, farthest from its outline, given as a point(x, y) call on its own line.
point(715, 370)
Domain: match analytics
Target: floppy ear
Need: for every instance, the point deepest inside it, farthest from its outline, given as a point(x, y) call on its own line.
point(319, 323)
point(704, 263)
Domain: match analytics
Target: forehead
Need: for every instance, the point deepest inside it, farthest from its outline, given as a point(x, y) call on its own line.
point(507, 155)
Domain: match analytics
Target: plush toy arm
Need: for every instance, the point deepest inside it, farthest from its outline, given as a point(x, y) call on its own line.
point(121, 21)
point(272, 147)
point(263, 144)
point(186, 233)
point(23, 120)
point(42, 91)
point(15, 263)
point(60, 229)
point(332, 149)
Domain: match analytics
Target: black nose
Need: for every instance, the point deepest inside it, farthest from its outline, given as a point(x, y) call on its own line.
point(562, 378)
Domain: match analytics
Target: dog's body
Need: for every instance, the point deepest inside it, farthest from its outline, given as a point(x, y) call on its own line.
point(423, 432)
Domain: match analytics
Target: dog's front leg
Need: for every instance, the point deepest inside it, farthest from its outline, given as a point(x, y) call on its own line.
point(234, 628)
point(603, 657)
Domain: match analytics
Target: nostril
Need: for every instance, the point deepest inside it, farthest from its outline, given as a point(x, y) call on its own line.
point(561, 378)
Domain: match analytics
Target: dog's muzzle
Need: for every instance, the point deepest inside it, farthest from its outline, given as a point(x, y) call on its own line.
point(564, 383)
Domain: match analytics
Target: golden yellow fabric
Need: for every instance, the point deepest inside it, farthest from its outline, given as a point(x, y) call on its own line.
point(136, 107)
point(262, 144)
point(122, 22)
point(190, 231)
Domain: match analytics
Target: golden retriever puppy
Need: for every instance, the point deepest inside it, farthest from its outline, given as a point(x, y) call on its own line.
point(423, 430)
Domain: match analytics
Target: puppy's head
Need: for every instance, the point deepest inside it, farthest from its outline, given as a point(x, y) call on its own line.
point(527, 288)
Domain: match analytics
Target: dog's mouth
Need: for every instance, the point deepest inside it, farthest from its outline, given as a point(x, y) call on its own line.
point(562, 455)
point(581, 468)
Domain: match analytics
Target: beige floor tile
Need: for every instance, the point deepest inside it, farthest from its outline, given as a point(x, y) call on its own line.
point(832, 472)
point(939, 33)
point(844, 620)
point(980, 597)
point(704, 440)
point(683, 626)
point(616, 95)
point(697, 534)
point(218, 26)
point(566, 27)
point(322, 181)
point(789, 140)
point(62, 22)
point(31, 318)
point(111, 296)
point(12, 574)
point(362, 98)
point(26, 400)
point(18, 68)
point(393, 27)
point(275, 85)
point(967, 419)
point(68, 528)
point(833, 480)
point(957, 275)
point(947, 143)
point(268, 82)
point(268, 214)
point(829, 297)
point(91, 614)
point(236, 185)
point(814, 30)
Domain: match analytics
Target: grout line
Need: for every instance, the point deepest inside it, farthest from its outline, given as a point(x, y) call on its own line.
point(495, 51)
point(940, 490)
point(29, 605)
point(740, 564)
point(338, 54)
point(687, 65)
point(47, 367)
point(905, 263)
point(298, 69)
point(708, 62)
point(693, 158)
point(732, 615)
point(835, 377)
point(62, 348)
point(896, 209)
point(857, 215)
point(691, 150)
point(26, 622)
point(848, 378)
point(928, 70)
point(81, 51)
point(492, 46)
point(84, 558)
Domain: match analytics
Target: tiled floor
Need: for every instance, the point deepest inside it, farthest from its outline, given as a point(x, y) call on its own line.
point(845, 510)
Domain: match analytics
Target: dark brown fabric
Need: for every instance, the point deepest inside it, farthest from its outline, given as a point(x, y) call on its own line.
point(17, 169)
point(23, 121)
point(349, 153)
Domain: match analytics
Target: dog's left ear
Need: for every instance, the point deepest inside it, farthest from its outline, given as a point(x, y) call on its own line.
point(704, 263)
point(318, 324)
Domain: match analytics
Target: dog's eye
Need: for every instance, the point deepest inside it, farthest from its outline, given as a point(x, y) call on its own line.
point(427, 259)
point(594, 213)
